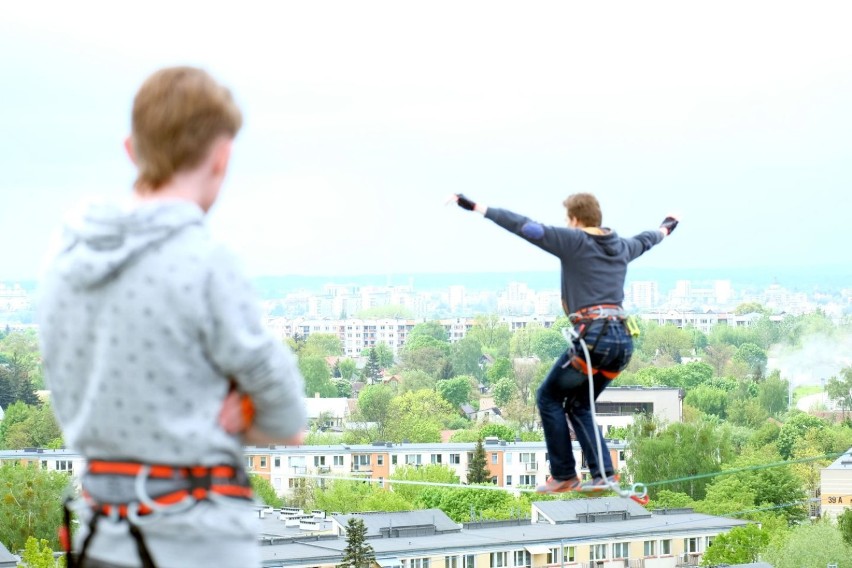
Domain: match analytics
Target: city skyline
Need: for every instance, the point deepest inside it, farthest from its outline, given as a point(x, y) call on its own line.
point(361, 120)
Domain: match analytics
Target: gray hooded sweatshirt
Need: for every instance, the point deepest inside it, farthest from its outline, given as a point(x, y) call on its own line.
point(143, 319)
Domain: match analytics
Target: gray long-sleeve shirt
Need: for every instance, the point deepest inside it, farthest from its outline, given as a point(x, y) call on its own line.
point(594, 267)
point(143, 320)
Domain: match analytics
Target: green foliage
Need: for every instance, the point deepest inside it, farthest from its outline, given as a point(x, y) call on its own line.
point(20, 368)
point(794, 429)
point(666, 340)
point(432, 329)
point(503, 391)
point(456, 391)
point(500, 369)
point(27, 426)
point(752, 308)
point(753, 357)
point(38, 554)
point(358, 552)
point(30, 504)
point(708, 399)
point(746, 412)
point(844, 523)
point(322, 345)
point(818, 544)
point(427, 354)
point(464, 357)
point(675, 451)
point(773, 394)
point(372, 372)
point(418, 417)
point(463, 505)
point(343, 386)
point(477, 468)
point(548, 344)
point(415, 380)
point(742, 545)
point(501, 431)
point(839, 389)
point(666, 499)
point(432, 473)
point(347, 369)
point(264, 491)
point(317, 377)
point(374, 404)
point(492, 334)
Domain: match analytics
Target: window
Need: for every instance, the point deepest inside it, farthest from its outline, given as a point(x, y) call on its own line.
point(522, 558)
point(452, 562)
point(412, 459)
point(361, 459)
point(650, 548)
point(494, 459)
point(597, 552)
point(553, 556)
point(569, 553)
point(381, 482)
point(319, 460)
point(469, 561)
point(393, 459)
point(416, 563)
point(262, 461)
point(296, 461)
point(499, 559)
point(455, 459)
point(43, 464)
point(436, 458)
point(620, 550)
point(527, 457)
point(277, 461)
point(249, 462)
point(380, 459)
point(691, 544)
point(64, 465)
point(665, 547)
point(709, 542)
point(526, 480)
point(508, 457)
point(338, 460)
point(508, 480)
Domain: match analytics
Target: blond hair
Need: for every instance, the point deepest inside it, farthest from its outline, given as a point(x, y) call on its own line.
point(177, 115)
point(585, 208)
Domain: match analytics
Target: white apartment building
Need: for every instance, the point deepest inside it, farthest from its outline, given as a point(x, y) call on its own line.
point(703, 321)
point(836, 486)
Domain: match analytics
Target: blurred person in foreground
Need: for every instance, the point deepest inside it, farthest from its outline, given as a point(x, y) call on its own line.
point(154, 350)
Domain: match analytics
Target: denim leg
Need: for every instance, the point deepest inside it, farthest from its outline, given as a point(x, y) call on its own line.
point(579, 413)
point(557, 437)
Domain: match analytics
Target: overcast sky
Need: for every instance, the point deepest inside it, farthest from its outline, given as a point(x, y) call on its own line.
point(361, 117)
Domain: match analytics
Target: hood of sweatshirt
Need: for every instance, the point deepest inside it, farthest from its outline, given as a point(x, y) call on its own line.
point(607, 240)
point(101, 239)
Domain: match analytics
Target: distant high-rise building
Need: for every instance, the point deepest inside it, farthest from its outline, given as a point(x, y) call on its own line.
point(643, 294)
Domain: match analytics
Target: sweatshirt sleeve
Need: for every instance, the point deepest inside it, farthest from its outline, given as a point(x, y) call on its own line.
point(642, 242)
point(555, 240)
point(242, 348)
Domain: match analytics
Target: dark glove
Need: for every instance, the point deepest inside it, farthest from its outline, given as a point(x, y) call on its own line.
point(669, 224)
point(464, 202)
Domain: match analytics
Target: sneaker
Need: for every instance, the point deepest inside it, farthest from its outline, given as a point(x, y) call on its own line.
point(599, 483)
point(559, 485)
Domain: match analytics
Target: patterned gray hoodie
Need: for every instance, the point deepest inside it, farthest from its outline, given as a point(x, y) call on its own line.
point(143, 319)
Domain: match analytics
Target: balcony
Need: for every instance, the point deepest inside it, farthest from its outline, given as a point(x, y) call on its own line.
point(362, 468)
point(323, 469)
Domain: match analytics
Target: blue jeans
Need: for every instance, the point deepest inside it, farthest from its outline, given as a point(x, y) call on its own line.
point(565, 391)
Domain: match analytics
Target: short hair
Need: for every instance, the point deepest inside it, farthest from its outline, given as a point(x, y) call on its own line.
point(585, 208)
point(178, 114)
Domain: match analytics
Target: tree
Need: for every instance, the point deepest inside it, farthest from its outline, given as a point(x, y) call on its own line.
point(432, 473)
point(372, 372)
point(418, 417)
point(500, 431)
point(456, 391)
point(28, 426)
point(817, 544)
point(374, 403)
point(753, 357)
point(465, 355)
point(344, 387)
point(358, 553)
point(742, 545)
point(661, 340)
point(718, 356)
point(264, 491)
point(427, 354)
point(38, 554)
point(347, 368)
point(432, 329)
point(414, 380)
point(548, 344)
point(503, 391)
point(500, 369)
point(708, 399)
point(322, 345)
point(30, 504)
point(839, 389)
point(384, 354)
point(772, 393)
point(844, 523)
point(794, 429)
point(492, 334)
point(477, 468)
point(317, 377)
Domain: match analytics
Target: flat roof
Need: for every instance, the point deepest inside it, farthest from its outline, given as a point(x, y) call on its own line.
point(844, 462)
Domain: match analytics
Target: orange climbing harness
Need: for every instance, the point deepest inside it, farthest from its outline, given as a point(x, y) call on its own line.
point(128, 485)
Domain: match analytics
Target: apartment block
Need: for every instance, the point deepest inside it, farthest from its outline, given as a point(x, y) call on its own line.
point(836, 486)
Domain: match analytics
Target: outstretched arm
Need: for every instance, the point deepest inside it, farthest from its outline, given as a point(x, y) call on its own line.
point(644, 241)
point(556, 241)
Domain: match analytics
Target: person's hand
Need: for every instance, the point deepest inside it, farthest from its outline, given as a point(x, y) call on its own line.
point(668, 225)
point(237, 413)
point(467, 204)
